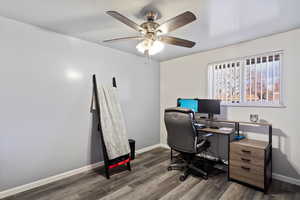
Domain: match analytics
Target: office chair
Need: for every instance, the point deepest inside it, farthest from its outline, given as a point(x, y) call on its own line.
point(182, 137)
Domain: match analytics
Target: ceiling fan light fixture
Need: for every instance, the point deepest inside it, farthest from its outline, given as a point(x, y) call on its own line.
point(156, 47)
point(153, 47)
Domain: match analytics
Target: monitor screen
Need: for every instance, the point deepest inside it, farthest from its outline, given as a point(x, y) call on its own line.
point(188, 103)
point(210, 106)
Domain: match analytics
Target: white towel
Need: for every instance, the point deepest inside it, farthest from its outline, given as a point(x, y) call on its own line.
point(112, 123)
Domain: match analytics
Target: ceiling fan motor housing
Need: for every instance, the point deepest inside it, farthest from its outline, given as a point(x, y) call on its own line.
point(151, 16)
point(150, 26)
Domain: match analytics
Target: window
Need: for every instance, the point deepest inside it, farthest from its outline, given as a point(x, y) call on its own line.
point(253, 80)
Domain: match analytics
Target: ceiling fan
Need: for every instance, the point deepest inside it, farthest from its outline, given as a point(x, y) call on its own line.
point(152, 35)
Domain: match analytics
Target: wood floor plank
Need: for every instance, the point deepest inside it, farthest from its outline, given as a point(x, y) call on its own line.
point(118, 194)
point(144, 191)
point(234, 191)
point(249, 194)
point(149, 180)
point(260, 196)
point(116, 182)
point(181, 189)
point(164, 187)
point(214, 188)
point(195, 191)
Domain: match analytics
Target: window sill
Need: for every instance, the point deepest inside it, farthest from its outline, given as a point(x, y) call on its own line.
point(254, 105)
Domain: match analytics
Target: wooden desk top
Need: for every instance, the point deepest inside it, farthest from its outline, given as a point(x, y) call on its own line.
point(240, 122)
point(216, 131)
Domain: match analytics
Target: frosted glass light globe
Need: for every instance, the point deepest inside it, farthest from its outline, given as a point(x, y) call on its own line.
point(154, 47)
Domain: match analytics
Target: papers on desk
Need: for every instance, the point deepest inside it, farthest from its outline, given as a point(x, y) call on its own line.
point(226, 129)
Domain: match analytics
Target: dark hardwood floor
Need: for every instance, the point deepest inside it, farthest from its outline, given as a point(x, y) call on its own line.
point(150, 180)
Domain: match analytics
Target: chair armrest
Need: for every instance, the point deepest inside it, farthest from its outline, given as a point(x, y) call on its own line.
point(202, 138)
point(204, 135)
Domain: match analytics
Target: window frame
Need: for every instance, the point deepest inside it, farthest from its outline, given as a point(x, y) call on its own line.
point(242, 60)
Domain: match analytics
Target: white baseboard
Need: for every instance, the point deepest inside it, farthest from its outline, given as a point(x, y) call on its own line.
point(48, 180)
point(67, 174)
point(286, 179)
point(148, 148)
point(165, 146)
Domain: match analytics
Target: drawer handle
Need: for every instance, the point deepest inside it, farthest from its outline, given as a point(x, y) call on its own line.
point(246, 151)
point(245, 160)
point(245, 168)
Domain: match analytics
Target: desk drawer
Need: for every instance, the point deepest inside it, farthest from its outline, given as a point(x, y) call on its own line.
point(246, 159)
point(247, 174)
point(247, 152)
point(247, 167)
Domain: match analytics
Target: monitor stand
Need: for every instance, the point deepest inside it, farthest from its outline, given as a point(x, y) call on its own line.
point(211, 118)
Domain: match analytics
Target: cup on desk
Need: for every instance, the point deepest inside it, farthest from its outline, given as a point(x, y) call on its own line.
point(254, 117)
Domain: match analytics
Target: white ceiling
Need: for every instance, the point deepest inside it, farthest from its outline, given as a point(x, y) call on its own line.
point(219, 22)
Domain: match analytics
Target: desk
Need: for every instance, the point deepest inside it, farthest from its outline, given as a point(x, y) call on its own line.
point(237, 128)
point(238, 123)
point(220, 132)
point(262, 180)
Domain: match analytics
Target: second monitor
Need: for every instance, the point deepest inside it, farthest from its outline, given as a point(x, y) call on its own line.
point(209, 106)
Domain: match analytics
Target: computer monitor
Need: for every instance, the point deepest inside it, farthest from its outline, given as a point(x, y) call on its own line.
point(188, 103)
point(209, 106)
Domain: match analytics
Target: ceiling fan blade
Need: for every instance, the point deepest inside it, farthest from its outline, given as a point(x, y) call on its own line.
point(177, 41)
point(124, 38)
point(125, 20)
point(177, 22)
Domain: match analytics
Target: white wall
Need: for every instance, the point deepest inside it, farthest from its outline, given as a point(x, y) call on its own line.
point(187, 77)
point(45, 95)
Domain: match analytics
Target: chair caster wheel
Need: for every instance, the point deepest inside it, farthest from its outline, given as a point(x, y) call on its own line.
point(182, 178)
point(169, 168)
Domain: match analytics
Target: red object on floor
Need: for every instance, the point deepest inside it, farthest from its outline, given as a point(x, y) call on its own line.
point(119, 163)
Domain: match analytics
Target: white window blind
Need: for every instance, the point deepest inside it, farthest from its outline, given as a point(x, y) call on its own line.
point(253, 80)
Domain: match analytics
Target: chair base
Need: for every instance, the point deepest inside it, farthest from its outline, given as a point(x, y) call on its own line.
point(188, 169)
